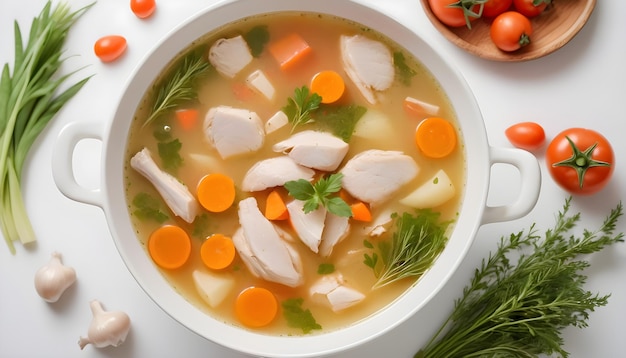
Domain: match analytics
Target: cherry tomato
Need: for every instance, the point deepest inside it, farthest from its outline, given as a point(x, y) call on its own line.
point(142, 8)
point(531, 8)
point(511, 31)
point(109, 48)
point(580, 160)
point(493, 8)
point(456, 15)
point(526, 135)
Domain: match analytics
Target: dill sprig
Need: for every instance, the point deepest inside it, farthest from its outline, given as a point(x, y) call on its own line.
point(29, 98)
point(179, 86)
point(518, 307)
point(415, 245)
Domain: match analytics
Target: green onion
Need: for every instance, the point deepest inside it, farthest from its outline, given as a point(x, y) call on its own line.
point(29, 99)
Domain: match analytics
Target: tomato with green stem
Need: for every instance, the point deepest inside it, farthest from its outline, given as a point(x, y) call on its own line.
point(457, 13)
point(511, 31)
point(493, 8)
point(531, 8)
point(580, 160)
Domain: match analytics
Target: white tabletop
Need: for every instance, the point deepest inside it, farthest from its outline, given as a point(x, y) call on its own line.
point(581, 85)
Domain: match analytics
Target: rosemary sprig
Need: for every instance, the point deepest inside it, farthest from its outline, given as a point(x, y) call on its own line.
point(416, 244)
point(179, 86)
point(518, 307)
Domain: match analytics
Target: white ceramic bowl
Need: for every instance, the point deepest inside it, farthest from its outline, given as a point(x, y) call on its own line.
point(474, 211)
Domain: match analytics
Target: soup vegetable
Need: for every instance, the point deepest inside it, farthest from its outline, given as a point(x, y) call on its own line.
point(294, 173)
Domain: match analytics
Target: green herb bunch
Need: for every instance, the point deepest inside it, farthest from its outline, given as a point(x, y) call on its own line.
point(320, 193)
point(525, 293)
point(29, 99)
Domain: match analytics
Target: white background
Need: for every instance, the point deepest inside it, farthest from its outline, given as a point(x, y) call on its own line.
point(583, 84)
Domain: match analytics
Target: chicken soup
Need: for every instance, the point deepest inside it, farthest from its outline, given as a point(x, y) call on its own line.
point(294, 173)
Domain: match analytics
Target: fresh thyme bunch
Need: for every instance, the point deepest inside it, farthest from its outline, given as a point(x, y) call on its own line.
point(518, 307)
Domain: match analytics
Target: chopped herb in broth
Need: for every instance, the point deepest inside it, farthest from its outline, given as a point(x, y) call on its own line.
point(326, 191)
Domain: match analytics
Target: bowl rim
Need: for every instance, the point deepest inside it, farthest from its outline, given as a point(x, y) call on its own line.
point(155, 285)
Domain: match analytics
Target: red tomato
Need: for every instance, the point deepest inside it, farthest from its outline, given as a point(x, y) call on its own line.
point(456, 15)
point(580, 160)
point(493, 8)
point(511, 31)
point(142, 8)
point(526, 135)
point(531, 8)
point(109, 48)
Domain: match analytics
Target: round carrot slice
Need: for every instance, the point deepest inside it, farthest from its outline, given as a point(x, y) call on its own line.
point(216, 192)
point(217, 252)
point(256, 307)
point(169, 246)
point(329, 85)
point(435, 137)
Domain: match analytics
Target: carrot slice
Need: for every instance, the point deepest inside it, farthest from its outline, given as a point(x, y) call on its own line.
point(256, 307)
point(289, 50)
point(361, 212)
point(329, 85)
point(169, 246)
point(187, 118)
point(435, 137)
point(216, 192)
point(217, 252)
point(275, 208)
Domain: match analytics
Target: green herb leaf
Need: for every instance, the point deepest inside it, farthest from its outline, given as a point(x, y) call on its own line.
point(148, 207)
point(416, 243)
point(201, 226)
point(340, 120)
point(368, 244)
point(179, 86)
point(325, 269)
point(170, 154)
point(297, 317)
point(405, 72)
point(319, 193)
point(371, 260)
point(525, 293)
point(256, 39)
point(300, 107)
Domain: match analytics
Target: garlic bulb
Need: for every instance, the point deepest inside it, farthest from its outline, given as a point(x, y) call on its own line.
point(106, 328)
point(52, 279)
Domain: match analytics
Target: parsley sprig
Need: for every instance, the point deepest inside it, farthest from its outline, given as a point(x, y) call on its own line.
point(319, 193)
point(300, 106)
point(517, 307)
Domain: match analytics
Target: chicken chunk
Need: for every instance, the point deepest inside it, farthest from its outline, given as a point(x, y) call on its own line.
point(273, 172)
point(262, 249)
point(336, 228)
point(332, 291)
point(374, 175)
point(308, 226)
point(368, 63)
point(174, 193)
point(233, 131)
point(230, 56)
point(259, 82)
point(314, 149)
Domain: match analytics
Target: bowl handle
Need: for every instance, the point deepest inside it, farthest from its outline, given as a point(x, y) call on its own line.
point(530, 173)
point(62, 168)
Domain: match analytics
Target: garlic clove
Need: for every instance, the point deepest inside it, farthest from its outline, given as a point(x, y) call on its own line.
point(107, 328)
point(52, 279)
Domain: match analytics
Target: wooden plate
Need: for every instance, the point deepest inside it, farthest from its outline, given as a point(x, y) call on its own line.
point(551, 30)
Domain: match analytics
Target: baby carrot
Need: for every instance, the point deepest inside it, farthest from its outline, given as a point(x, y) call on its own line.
point(187, 118)
point(329, 85)
point(435, 137)
point(169, 246)
point(275, 208)
point(256, 307)
point(217, 252)
point(289, 50)
point(216, 192)
point(361, 212)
